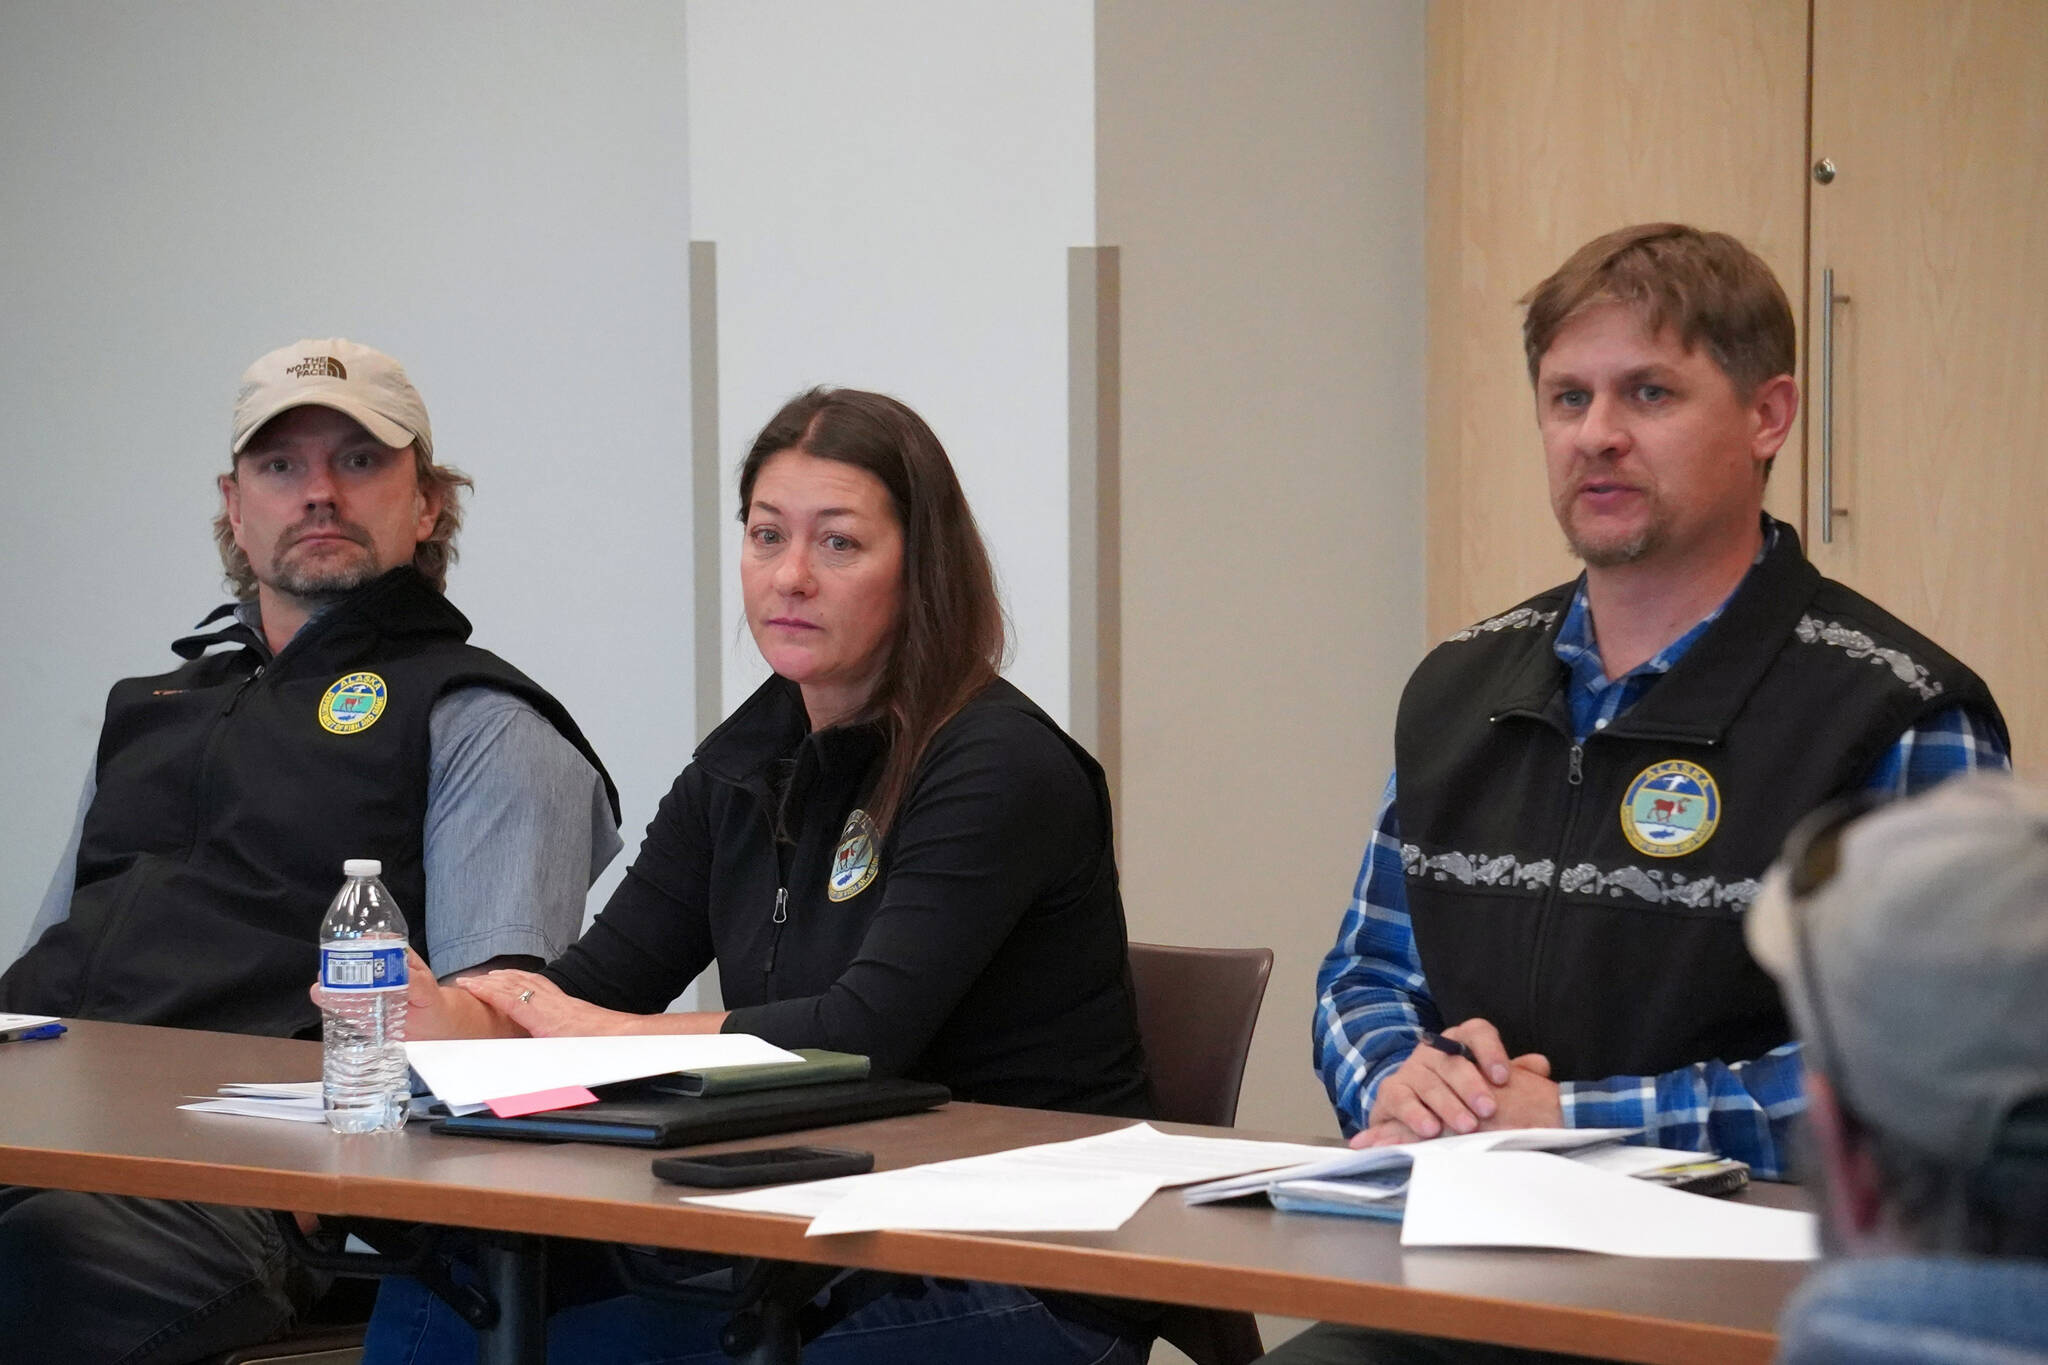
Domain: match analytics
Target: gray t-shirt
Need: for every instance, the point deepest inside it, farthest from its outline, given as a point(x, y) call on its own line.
point(518, 827)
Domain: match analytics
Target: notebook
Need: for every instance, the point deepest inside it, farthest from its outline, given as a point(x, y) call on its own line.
point(637, 1114)
point(818, 1067)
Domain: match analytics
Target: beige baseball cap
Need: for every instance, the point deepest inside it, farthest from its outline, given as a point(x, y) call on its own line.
point(334, 373)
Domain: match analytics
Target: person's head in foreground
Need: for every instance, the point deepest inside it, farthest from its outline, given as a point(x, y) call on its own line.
point(1912, 946)
point(1662, 358)
point(864, 577)
point(332, 482)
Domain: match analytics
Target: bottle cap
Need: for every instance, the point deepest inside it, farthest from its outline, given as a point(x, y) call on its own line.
point(362, 867)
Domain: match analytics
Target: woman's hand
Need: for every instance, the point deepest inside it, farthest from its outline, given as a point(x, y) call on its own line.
point(434, 1011)
point(542, 1008)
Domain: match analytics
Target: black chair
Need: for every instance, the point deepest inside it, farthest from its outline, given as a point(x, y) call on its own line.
point(1196, 1011)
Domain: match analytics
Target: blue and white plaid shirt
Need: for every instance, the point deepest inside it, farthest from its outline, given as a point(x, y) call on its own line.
point(1372, 1000)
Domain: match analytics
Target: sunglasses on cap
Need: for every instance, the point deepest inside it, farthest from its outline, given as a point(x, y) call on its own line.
point(1812, 856)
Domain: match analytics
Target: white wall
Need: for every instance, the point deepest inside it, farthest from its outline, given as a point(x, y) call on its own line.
point(1261, 172)
point(892, 187)
point(494, 192)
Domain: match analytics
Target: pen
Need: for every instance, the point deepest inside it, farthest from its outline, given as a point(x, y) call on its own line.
point(1449, 1045)
point(27, 1034)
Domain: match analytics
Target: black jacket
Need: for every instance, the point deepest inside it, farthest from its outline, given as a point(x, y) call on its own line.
point(229, 792)
point(1562, 891)
point(983, 949)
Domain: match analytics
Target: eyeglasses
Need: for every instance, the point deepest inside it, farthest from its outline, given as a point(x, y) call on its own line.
point(1812, 857)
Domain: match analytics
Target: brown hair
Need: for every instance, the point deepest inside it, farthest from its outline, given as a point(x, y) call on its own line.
point(431, 558)
point(949, 636)
point(1714, 290)
point(1998, 1207)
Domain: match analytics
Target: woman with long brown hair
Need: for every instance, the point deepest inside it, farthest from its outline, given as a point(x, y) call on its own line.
point(887, 850)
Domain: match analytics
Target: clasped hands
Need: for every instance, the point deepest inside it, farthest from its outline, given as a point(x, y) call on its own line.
point(507, 1003)
point(1434, 1093)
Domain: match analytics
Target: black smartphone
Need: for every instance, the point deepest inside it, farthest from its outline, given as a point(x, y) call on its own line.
point(761, 1166)
point(1709, 1176)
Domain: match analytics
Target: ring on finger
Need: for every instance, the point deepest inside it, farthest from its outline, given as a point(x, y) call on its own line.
point(526, 995)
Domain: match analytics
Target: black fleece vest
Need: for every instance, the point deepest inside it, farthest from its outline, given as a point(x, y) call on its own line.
point(1533, 907)
point(225, 808)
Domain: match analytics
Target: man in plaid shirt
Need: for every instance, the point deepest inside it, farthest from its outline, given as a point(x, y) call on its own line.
point(1546, 929)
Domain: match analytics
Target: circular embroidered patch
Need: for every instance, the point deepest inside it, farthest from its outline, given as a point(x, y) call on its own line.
point(857, 859)
point(1671, 808)
point(352, 704)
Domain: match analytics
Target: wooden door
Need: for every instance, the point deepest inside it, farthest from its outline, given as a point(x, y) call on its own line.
point(1934, 114)
point(1550, 122)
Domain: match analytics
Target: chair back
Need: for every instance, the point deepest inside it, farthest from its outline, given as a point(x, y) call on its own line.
point(1196, 1011)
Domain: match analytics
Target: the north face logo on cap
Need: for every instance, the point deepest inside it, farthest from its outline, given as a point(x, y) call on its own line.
point(314, 365)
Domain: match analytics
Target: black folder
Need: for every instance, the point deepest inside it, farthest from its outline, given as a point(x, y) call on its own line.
point(637, 1115)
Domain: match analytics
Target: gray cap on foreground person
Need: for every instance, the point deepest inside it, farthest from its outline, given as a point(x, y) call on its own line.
point(1912, 945)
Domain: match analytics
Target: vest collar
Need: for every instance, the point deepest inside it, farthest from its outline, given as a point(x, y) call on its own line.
point(772, 725)
point(1699, 698)
point(397, 605)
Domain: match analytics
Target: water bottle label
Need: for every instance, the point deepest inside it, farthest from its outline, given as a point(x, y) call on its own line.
point(363, 968)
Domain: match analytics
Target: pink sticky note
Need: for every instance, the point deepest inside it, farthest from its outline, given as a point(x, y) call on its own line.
point(562, 1097)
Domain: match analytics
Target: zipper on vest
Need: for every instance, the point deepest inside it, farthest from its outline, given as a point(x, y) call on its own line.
point(1575, 779)
point(235, 698)
point(778, 919)
point(202, 804)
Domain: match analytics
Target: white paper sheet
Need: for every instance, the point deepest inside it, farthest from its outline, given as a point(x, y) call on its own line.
point(956, 1200)
point(1342, 1163)
point(1535, 1199)
point(1167, 1158)
point(473, 1070)
point(1090, 1184)
point(1383, 1193)
point(15, 1021)
point(272, 1090)
point(806, 1199)
point(295, 1110)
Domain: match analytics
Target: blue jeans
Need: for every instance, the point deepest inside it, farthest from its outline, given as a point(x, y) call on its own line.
point(951, 1321)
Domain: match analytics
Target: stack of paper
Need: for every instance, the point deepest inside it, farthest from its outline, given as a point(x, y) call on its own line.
point(1091, 1184)
point(1382, 1172)
point(472, 1072)
point(514, 1075)
point(298, 1101)
point(1575, 1189)
point(1536, 1199)
point(1382, 1192)
point(13, 1026)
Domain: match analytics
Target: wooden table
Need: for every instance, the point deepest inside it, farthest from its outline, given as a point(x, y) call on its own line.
point(95, 1110)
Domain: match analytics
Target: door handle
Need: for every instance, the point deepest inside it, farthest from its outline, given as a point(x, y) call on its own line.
point(1828, 511)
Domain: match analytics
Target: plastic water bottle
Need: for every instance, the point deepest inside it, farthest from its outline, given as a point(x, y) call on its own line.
point(362, 1000)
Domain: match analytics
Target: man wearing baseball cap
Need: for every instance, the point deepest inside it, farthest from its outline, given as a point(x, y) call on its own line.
point(1912, 946)
point(334, 710)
